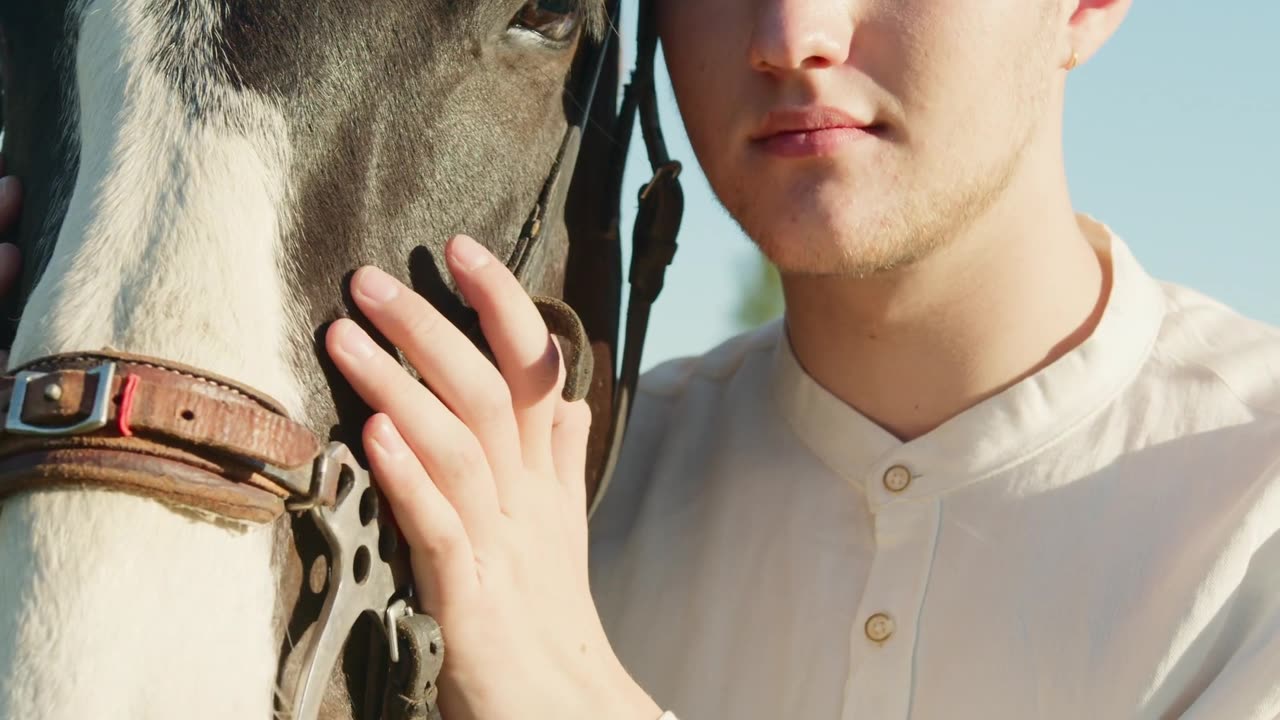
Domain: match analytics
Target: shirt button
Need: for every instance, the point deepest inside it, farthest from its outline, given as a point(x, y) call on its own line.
point(880, 627)
point(897, 478)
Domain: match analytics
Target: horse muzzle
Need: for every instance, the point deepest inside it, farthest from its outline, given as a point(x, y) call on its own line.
point(204, 444)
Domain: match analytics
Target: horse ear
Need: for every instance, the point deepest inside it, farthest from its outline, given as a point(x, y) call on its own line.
point(593, 270)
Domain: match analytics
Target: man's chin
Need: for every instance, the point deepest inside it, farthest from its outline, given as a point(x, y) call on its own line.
point(826, 260)
point(857, 247)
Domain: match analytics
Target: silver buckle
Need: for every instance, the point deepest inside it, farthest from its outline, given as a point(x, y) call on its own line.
point(395, 611)
point(97, 418)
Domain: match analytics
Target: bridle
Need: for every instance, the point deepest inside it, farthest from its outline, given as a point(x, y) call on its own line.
point(205, 444)
point(210, 446)
point(657, 223)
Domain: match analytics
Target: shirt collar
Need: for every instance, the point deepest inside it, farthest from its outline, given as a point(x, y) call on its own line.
point(998, 432)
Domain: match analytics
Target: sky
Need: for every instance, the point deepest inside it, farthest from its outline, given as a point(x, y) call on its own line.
point(1172, 137)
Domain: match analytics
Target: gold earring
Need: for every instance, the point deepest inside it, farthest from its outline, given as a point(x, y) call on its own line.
point(1074, 61)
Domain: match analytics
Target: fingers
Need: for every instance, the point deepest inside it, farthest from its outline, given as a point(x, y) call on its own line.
point(528, 358)
point(10, 209)
point(444, 561)
point(450, 364)
point(10, 201)
point(10, 264)
point(10, 260)
point(445, 447)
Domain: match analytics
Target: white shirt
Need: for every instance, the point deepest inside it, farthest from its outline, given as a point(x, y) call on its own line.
point(1099, 541)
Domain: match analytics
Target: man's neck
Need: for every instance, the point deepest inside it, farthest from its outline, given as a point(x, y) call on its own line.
point(915, 347)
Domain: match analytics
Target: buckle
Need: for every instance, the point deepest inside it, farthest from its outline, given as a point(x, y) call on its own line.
point(96, 419)
point(391, 617)
point(321, 484)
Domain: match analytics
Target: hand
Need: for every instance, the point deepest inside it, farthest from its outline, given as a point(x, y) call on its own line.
point(484, 473)
point(10, 259)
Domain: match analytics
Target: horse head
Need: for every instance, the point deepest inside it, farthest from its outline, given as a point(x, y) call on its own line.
point(201, 178)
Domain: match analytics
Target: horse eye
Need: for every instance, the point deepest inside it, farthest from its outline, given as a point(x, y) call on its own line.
point(555, 20)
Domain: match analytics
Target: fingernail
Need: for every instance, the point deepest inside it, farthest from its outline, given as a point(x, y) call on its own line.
point(469, 253)
point(375, 285)
point(355, 342)
point(386, 439)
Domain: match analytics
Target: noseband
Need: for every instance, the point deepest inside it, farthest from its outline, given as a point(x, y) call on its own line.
point(206, 444)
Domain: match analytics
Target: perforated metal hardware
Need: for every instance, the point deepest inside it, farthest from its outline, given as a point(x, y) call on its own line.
point(359, 580)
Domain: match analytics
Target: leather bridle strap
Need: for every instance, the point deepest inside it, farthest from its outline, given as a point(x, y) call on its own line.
point(561, 319)
point(161, 430)
point(661, 207)
point(555, 189)
point(657, 223)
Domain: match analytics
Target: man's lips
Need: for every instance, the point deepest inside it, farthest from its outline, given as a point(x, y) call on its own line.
point(807, 132)
point(809, 119)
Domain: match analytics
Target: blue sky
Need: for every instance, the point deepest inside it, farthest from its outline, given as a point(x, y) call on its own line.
point(1172, 138)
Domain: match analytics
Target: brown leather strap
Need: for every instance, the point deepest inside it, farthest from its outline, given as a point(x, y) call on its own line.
point(181, 483)
point(169, 405)
point(562, 321)
point(182, 437)
point(411, 691)
point(657, 224)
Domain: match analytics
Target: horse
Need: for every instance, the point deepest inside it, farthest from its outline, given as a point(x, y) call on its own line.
point(186, 527)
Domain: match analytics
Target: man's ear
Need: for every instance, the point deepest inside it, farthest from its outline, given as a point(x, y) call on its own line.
point(1090, 24)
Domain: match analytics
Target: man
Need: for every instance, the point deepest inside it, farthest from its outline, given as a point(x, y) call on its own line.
point(986, 468)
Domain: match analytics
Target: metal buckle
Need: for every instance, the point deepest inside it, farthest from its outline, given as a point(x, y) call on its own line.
point(395, 611)
point(97, 418)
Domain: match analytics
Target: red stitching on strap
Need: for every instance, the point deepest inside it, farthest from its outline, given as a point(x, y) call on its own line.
point(126, 404)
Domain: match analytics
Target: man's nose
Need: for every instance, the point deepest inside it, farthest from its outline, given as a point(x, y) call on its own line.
point(801, 35)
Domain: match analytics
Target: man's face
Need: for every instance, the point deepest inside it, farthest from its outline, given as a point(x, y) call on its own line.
point(851, 136)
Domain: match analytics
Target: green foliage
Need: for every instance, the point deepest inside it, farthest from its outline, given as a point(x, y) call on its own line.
point(761, 299)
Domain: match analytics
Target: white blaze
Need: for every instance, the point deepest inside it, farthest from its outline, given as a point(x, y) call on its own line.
point(113, 606)
point(171, 244)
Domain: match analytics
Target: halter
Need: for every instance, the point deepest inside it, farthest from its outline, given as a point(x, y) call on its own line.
point(194, 440)
point(657, 223)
